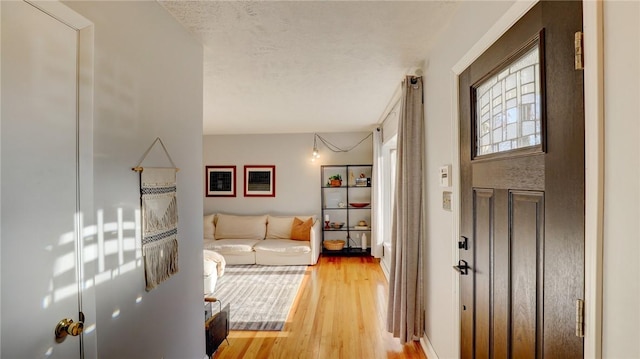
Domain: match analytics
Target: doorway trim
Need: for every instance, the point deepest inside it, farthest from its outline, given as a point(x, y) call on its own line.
point(594, 167)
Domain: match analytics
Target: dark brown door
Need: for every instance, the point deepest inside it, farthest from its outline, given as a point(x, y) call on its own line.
point(522, 191)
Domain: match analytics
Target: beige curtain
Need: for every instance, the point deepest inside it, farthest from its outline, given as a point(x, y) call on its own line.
point(404, 314)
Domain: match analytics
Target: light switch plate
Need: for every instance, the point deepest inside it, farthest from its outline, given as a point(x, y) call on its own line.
point(445, 176)
point(446, 200)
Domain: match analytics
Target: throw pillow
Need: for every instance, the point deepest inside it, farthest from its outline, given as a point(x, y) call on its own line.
point(300, 230)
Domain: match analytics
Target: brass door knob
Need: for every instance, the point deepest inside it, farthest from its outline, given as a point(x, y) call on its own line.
point(68, 326)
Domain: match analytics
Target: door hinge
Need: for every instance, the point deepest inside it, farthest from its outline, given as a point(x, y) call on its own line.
point(579, 53)
point(580, 318)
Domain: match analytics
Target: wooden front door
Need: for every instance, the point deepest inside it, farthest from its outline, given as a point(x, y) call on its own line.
point(522, 191)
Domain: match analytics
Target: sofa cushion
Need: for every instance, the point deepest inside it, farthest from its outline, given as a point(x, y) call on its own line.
point(300, 229)
point(279, 227)
point(236, 245)
point(240, 227)
point(283, 246)
point(209, 228)
point(209, 243)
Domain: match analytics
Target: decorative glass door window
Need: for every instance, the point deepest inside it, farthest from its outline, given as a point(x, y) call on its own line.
point(508, 104)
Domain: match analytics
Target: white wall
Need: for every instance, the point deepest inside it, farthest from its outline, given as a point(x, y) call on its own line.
point(148, 84)
point(467, 26)
point(297, 178)
point(621, 277)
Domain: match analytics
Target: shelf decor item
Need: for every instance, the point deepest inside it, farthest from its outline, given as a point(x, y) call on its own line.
point(362, 225)
point(359, 204)
point(361, 182)
point(334, 244)
point(335, 180)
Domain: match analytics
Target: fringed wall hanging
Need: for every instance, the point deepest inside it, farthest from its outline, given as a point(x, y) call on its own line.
point(159, 220)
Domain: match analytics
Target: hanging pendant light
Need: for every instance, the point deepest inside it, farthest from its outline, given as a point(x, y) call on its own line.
point(315, 153)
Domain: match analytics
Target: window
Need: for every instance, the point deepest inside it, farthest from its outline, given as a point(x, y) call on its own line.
point(508, 105)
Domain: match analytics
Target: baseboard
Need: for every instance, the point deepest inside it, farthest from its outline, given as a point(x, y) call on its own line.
point(385, 269)
point(427, 348)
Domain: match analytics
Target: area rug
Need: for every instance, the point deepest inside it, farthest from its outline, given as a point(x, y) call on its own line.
point(260, 296)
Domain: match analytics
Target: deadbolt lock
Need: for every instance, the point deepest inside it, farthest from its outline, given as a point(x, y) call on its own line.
point(463, 243)
point(68, 326)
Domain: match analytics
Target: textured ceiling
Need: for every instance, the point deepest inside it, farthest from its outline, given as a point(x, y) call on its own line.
point(306, 66)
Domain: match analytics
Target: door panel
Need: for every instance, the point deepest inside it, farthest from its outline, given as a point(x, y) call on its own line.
point(39, 183)
point(526, 244)
point(523, 211)
point(524, 173)
point(500, 286)
point(483, 228)
point(497, 249)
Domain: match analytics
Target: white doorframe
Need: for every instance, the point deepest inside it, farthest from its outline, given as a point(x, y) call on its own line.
point(594, 167)
point(593, 28)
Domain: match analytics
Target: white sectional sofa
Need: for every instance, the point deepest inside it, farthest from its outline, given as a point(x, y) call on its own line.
point(263, 239)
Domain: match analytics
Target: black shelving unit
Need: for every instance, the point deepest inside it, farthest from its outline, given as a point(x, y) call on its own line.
point(349, 203)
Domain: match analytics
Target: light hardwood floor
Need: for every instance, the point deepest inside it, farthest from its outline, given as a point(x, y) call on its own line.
point(340, 312)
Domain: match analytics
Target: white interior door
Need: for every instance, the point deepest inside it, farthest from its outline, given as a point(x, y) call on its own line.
point(39, 186)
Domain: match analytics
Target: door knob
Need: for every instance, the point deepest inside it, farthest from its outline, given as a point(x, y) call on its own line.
point(462, 267)
point(68, 326)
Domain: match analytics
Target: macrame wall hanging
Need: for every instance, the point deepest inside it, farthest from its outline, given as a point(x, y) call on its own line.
point(159, 220)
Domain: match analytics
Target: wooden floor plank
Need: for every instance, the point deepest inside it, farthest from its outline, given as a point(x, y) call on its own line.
point(339, 312)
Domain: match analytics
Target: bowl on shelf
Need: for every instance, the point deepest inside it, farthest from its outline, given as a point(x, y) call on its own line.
point(337, 225)
point(358, 204)
point(334, 244)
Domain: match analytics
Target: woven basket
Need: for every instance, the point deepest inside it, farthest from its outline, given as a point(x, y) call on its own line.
point(334, 244)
